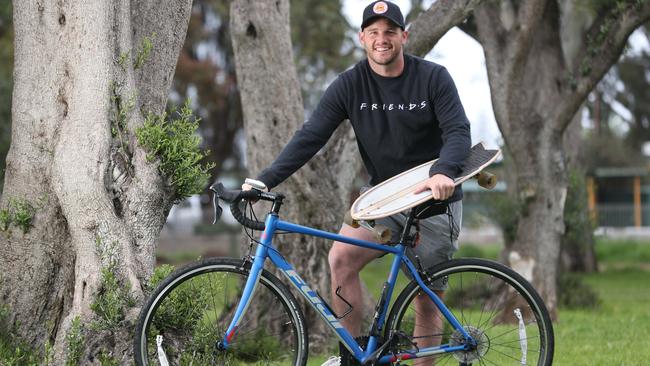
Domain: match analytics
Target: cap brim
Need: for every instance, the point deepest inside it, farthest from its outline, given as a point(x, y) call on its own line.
point(373, 18)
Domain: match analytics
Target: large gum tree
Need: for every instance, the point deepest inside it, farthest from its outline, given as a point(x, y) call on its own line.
point(317, 195)
point(543, 59)
point(82, 205)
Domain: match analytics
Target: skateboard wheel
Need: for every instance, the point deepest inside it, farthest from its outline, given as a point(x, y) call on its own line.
point(486, 180)
point(382, 234)
point(348, 220)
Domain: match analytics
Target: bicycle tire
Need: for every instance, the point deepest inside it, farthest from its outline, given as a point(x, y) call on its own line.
point(192, 308)
point(476, 292)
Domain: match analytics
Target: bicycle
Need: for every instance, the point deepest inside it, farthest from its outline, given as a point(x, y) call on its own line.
point(198, 314)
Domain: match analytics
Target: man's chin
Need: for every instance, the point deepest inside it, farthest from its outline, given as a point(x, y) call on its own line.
point(384, 61)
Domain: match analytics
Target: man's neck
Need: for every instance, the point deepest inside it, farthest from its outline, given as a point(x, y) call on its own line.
point(391, 70)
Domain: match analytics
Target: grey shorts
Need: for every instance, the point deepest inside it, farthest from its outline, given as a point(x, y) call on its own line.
point(438, 237)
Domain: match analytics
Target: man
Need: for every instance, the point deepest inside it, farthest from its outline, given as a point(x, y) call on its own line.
point(405, 111)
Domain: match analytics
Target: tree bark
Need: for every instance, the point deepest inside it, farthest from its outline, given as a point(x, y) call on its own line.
point(578, 252)
point(318, 194)
point(543, 57)
point(538, 81)
point(76, 160)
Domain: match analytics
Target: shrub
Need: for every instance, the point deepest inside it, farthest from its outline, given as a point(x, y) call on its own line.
point(176, 145)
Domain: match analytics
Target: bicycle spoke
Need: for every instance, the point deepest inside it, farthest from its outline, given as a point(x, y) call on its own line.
point(267, 333)
point(482, 293)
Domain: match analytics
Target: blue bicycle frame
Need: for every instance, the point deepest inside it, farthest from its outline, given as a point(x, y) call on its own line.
point(266, 250)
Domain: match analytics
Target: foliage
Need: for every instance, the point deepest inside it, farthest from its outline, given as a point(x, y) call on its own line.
point(19, 212)
point(142, 54)
point(13, 351)
point(504, 209)
point(574, 293)
point(617, 253)
point(179, 310)
point(578, 239)
point(177, 147)
point(323, 46)
point(159, 274)
point(114, 295)
point(74, 341)
point(620, 324)
point(105, 359)
point(122, 109)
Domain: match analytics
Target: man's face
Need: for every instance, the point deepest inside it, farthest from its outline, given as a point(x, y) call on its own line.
point(383, 41)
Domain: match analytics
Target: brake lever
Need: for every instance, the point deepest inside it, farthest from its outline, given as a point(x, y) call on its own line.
point(217, 209)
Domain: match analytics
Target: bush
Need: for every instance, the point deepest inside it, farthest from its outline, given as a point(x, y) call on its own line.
point(573, 293)
point(176, 145)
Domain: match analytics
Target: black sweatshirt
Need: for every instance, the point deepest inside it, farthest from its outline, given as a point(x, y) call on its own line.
point(399, 122)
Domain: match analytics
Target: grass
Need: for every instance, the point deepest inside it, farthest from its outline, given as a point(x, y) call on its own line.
point(615, 333)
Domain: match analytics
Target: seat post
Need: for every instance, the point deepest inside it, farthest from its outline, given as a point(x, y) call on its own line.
point(410, 219)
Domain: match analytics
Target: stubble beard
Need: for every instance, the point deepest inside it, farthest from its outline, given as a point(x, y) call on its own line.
point(386, 61)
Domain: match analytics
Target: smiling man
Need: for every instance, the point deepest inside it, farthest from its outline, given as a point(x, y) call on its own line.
point(405, 111)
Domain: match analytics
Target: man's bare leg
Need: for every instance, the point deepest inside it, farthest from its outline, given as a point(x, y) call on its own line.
point(346, 261)
point(428, 325)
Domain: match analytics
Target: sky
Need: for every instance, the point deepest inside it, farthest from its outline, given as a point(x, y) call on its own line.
point(463, 57)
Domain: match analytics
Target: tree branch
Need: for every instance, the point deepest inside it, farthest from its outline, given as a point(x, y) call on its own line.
point(529, 16)
point(607, 38)
point(432, 24)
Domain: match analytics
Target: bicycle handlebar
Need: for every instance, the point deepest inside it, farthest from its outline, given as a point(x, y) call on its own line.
point(234, 198)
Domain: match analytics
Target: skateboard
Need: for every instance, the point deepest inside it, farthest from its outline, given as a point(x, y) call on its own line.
point(396, 194)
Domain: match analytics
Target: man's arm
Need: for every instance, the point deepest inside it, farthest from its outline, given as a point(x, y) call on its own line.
point(456, 138)
point(313, 135)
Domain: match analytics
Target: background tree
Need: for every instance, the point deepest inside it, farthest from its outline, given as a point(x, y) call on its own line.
point(206, 74)
point(6, 82)
point(273, 108)
point(206, 69)
point(620, 113)
point(82, 204)
point(543, 58)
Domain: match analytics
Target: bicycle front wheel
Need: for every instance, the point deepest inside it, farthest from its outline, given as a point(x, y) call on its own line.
point(494, 304)
point(186, 318)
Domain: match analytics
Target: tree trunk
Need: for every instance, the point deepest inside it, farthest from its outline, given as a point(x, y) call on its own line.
point(578, 252)
point(543, 58)
point(317, 195)
point(99, 205)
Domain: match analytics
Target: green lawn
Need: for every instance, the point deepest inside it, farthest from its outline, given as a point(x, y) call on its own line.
point(615, 333)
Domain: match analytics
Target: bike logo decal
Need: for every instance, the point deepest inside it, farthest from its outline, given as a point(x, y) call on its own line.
point(311, 295)
point(380, 7)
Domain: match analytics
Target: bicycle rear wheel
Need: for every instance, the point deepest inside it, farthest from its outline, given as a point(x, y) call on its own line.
point(187, 316)
point(494, 304)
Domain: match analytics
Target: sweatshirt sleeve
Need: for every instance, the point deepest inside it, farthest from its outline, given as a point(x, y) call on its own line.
point(309, 139)
point(456, 137)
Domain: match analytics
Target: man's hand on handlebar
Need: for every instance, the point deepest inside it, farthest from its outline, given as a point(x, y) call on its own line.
point(252, 183)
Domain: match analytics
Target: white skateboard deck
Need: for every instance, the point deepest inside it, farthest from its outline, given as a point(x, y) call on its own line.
point(396, 194)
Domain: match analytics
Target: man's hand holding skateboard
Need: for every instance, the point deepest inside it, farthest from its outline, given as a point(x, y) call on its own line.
point(441, 186)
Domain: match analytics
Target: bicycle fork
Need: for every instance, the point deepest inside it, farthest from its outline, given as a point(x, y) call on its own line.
point(255, 269)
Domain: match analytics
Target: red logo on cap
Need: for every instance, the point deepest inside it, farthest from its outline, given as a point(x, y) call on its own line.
point(380, 7)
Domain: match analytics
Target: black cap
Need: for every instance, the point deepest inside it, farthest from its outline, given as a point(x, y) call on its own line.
point(384, 9)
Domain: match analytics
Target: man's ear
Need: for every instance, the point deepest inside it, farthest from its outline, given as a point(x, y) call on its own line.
point(361, 36)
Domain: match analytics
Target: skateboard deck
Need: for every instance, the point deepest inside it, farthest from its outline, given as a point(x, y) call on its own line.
point(396, 194)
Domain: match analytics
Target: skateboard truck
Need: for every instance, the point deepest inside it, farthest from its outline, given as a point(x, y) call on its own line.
point(486, 179)
point(381, 233)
